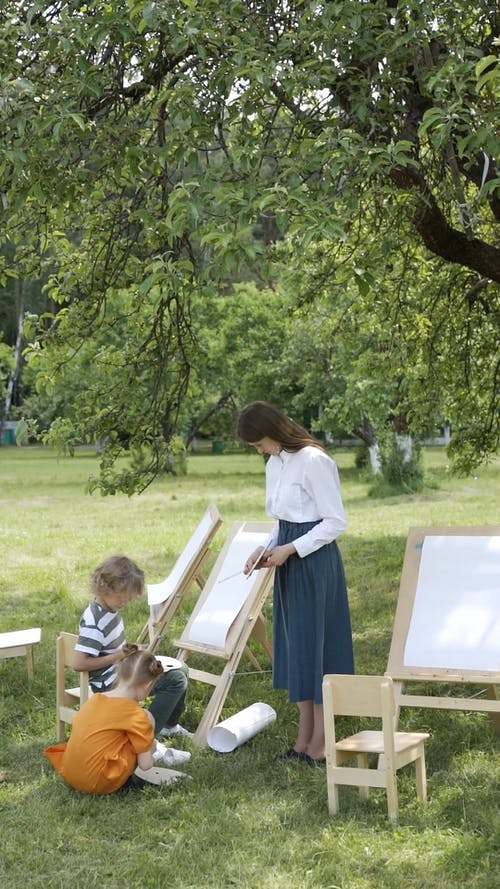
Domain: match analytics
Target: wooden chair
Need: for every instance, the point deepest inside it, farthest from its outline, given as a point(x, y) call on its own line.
point(227, 613)
point(164, 598)
point(21, 642)
point(68, 698)
point(345, 695)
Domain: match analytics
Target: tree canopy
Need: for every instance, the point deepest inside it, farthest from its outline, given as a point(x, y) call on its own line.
point(142, 142)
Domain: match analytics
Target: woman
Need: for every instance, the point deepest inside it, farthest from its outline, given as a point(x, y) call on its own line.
point(312, 627)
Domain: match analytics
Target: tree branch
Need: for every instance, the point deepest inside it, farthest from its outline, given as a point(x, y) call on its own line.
point(453, 245)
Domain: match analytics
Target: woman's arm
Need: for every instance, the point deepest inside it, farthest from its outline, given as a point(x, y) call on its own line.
point(322, 483)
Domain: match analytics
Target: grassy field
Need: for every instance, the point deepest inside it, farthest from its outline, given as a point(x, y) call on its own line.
point(245, 820)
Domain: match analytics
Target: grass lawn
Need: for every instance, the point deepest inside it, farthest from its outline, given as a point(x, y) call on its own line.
point(245, 820)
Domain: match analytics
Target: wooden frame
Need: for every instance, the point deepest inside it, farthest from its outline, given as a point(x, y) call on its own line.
point(68, 698)
point(345, 695)
point(21, 642)
point(227, 612)
point(411, 609)
point(185, 572)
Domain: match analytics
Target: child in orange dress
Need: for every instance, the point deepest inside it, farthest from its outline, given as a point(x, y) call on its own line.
point(112, 734)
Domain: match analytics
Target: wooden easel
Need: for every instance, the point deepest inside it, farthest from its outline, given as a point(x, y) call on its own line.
point(426, 641)
point(226, 614)
point(185, 572)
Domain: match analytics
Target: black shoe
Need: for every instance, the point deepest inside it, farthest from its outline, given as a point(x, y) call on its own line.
point(293, 754)
point(314, 762)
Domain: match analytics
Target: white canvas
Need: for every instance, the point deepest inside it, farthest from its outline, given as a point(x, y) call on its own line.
point(455, 622)
point(229, 592)
point(160, 592)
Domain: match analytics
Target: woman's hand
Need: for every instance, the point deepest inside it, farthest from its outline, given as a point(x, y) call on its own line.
point(252, 559)
point(278, 555)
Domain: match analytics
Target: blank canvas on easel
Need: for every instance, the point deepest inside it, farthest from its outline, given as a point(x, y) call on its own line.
point(228, 590)
point(227, 613)
point(456, 611)
point(165, 597)
point(447, 622)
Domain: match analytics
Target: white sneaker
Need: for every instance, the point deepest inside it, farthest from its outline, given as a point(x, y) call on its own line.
point(159, 751)
point(178, 729)
point(168, 755)
point(175, 757)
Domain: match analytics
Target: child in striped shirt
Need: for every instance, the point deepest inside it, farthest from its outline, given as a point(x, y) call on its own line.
point(115, 582)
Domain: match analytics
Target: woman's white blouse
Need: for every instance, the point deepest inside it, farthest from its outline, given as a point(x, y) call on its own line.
point(304, 487)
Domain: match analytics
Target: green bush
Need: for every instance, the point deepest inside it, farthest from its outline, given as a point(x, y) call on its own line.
point(399, 476)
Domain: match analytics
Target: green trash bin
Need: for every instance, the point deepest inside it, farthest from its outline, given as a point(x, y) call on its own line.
point(8, 437)
point(217, 446)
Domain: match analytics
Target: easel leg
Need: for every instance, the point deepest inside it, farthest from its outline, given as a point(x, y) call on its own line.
point(398, 691)
point(492, 695)
point(259, 633)
point(215, 705)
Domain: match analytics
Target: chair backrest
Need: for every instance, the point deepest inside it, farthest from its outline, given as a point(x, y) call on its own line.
point(371, 696)
point(67, 697)
point(65, 648)
point(361, 695)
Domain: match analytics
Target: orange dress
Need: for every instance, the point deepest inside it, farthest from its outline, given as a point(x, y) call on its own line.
point(107, 734)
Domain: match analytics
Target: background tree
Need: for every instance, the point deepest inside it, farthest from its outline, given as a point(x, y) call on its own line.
point(142, 143)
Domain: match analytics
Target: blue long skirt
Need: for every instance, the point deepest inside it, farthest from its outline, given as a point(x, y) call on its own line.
point(311, 622)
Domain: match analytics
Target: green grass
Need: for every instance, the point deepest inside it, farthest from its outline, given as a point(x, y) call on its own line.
point(244, 820)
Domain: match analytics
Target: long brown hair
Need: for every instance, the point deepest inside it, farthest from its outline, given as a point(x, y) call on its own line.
point(137, 666)
point(259, 419)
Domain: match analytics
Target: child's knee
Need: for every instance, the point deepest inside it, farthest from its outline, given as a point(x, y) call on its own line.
point(178, 679)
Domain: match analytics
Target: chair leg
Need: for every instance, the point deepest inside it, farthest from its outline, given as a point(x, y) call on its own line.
point(61, 731)
point(392, 795)
point(333, 797)
point(30, 662)
point(421, 776)
point(362, 760)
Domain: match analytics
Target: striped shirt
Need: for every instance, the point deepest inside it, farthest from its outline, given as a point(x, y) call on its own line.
point(101, 632)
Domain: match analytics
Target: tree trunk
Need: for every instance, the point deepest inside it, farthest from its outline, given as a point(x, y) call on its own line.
point(366, 433)
point(17, 357)
point(375, 459)
point(197, 424)
point(404, 445)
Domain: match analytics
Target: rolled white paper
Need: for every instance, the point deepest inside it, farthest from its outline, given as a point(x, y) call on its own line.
point(234, 731)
